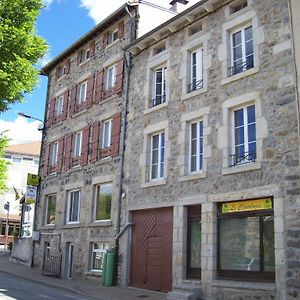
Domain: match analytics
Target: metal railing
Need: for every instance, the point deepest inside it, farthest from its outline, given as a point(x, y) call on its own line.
point(239, 68)
point(240, 159)
point(196, 85)
point(159, 99)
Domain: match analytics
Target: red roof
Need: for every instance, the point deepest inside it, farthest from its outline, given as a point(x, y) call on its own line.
point(25, 149)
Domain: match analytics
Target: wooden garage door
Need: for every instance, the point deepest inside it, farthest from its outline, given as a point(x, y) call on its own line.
point(151, 252)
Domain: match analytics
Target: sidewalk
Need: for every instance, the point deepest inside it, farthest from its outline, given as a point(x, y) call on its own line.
point(89, 287)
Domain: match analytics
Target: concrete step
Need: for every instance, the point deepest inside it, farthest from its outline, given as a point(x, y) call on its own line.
point(186, 291)
point(181, 295)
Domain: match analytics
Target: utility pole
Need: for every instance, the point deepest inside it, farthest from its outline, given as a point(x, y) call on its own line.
point(6, 206)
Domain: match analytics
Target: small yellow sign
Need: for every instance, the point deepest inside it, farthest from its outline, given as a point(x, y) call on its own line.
point(249, 205)
point(33, 179)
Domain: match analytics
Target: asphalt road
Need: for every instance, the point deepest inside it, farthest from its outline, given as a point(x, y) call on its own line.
point(14, 288)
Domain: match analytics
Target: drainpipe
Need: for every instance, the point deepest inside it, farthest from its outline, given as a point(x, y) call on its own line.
point(39, 171)
point(128, 67)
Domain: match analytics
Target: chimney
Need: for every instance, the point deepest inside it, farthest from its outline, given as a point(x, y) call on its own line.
point(178, 5)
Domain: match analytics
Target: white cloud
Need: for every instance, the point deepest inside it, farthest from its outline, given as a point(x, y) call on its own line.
point(21, 130)
point(47, 3)
point(44, 60)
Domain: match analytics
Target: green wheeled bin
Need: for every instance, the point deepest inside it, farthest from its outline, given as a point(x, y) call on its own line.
point(109, 272)
point(104, 268)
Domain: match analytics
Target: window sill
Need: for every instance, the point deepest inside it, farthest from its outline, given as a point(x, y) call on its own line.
point(155, 108)
point(264, 286)
point(154, 183)
point(187, 96)
point(79, 113)
point(101, 223)
point(112, 43)
point(192, 177)
point(239, 76)
point(48, 226)
point(104, 160)
point(84, 62)
point(72, 225)
point(108, 98)
point(61, 78)
point(241, 168)
point(94, 273)
point(52, 175)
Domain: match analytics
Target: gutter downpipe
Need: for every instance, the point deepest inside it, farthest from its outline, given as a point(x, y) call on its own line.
point(39, 171)
point(128, 67)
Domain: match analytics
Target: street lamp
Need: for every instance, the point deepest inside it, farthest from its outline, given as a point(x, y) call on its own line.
point(21, 114)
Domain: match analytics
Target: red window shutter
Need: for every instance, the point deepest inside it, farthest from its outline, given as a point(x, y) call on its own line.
point(79, 55)
point(105, 40)
point(60, 155)
point(73, 97)
point(120, 29)
point(116, 129)
point(90, 91)
point(68, 152)
point(65, 106)
point(92, 48)
point(85, 146)
point(51, 110)
point(119, 77)
point(68, 63)
point(95, 143)
point(46, 159)
point(99, 86)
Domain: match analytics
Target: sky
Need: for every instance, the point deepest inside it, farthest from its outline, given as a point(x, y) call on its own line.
point(61, 23)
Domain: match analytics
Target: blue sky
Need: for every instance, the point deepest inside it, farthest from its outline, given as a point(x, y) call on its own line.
point(61, 23)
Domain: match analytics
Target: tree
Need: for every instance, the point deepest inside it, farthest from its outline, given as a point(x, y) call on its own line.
point(20, 49)
point(3, 163)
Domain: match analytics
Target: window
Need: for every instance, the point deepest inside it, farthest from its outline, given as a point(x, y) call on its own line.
point(36, 162)
point(246, 239)
point(53, 153)
point(77, 144)
point(50, 210)
point(98, 251)
point(85, 55)
point(62, 70)
point(196, 71)
point(159, 48)
point(193, 29)
point(194, 242)
point(196, 147)
point(73, 208)
point(16, 159)
point(107, 132)
point(157, 156)
point(243, 135)
point(112, 36)
point(7, 156)
point(59, 103)
point(82, 92)
point(27, 220)
point(110, 77)
point(159, 86)
point(242, 57)
point(238, 5)
point(103, 201)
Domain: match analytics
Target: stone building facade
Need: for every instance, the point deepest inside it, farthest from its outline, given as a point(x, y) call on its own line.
point(78, 209)
point(212, 154)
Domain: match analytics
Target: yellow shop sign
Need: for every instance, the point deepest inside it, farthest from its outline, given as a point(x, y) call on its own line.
point(239, 206)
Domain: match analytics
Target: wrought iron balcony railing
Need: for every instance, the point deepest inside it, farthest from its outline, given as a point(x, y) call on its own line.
point(241, 67)
point(242, 158)
point(195, 85)
point(159, 99)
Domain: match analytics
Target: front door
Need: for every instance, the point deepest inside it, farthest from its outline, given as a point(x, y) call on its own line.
point(151, 252)
point(69, 260)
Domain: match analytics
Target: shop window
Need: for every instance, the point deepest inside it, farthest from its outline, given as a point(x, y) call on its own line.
point(97, 256)
point(194, 242)
point(103, 197)
point(242, 56)
point(246, 240)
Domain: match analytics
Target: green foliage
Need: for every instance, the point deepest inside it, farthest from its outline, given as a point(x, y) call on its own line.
point(20, 49)
point(3, 163)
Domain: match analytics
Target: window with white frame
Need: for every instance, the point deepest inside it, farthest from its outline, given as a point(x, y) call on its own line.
point(242, 57)
point(53, 153)
point(196, 70)
point(50, 209)
point(106, 135)
point(103, 198)
point(157, 156)
point(196, 147)
point(159, 86)
point(73, 206)
point(85, 54)
point(82, 92)
point(77, 144)
point(27, 220)
point(59, 104)
point(243, 135)
point(110, 77)
point(98, 251)
point(62, 70)
point(112, 36)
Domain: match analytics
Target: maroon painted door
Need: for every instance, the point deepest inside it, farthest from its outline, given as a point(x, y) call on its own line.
point(151, 251)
